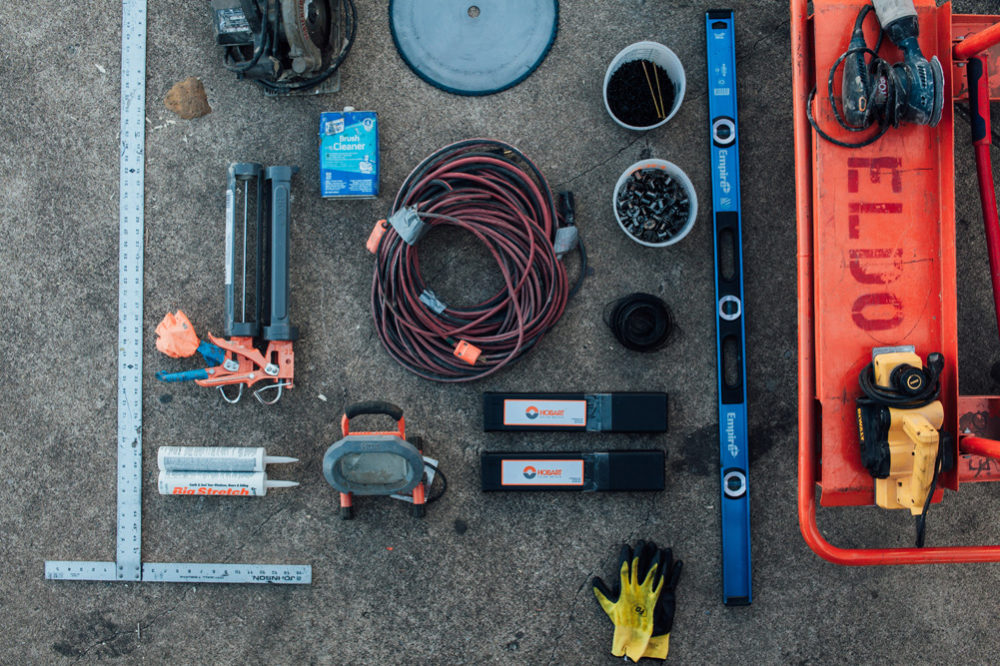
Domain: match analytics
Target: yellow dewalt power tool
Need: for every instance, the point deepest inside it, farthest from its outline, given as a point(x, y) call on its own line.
point(899, 426)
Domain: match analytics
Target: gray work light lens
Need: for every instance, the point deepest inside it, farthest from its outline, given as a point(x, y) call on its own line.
point(375, 469)
point(373, 464)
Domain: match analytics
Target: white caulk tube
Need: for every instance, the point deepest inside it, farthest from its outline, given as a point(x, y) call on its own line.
point(216, 459)
point(243, 484)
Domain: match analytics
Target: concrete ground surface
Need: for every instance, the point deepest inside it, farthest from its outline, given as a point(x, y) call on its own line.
point(483, 579)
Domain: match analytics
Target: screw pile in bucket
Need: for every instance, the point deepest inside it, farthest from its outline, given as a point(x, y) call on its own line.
point(640, 93)
point(652, 205)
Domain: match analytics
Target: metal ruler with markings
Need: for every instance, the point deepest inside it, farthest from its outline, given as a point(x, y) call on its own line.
point(734, 459)
point(128, 563)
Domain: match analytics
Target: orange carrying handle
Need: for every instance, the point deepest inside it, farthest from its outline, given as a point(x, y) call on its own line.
point(374, 407)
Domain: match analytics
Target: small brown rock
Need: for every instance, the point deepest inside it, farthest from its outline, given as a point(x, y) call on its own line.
point(187, 99)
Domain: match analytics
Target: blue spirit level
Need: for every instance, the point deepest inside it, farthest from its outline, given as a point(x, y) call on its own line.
point(733, 438)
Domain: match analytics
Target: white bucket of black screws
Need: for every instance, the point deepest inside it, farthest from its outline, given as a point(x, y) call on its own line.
point(655, 203)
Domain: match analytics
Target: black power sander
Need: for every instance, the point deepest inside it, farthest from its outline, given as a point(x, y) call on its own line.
point(909, 91)
point(875, 92)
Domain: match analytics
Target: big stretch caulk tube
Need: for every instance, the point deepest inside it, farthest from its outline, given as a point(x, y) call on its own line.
point(240, 484)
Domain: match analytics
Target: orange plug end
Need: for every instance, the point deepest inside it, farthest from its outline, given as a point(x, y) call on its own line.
point(175, 336)
point(467, 352)
point(376, 235)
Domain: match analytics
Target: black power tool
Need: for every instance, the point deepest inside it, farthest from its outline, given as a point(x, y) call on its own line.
point(286, 46)
point(875, 92)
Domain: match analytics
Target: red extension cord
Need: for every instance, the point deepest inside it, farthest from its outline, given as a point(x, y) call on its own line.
point(491, 190)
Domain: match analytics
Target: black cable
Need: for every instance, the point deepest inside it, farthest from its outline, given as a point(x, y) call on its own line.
point(891, 397)
point(922, 518)
point(838, 142)
point(877, 67)
point(444, 484)
point(641, 322)
point(567, 218)
point(583, 268)
point(261, 41)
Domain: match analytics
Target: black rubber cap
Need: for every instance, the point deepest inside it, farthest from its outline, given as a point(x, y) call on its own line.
point(909, 380)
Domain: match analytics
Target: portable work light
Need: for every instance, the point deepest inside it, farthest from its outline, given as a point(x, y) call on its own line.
point(374, 463)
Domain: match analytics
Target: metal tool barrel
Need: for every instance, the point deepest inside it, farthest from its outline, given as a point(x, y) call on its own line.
point(243, 173)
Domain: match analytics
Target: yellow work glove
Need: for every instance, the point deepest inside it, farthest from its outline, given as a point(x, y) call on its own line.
point(663, 615)
point(640, 611)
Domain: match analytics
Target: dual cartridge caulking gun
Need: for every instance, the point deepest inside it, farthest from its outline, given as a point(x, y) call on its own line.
point(238, 357)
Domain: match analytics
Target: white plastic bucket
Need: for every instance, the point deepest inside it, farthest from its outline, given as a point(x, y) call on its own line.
point(677, 174)
point(655, 53)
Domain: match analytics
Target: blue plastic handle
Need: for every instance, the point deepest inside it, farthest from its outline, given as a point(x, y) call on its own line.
point(185, 376)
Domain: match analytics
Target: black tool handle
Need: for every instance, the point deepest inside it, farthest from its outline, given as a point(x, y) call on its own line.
point(374, 407)
point(979, 99)
point(263, 248)
point(278, 327)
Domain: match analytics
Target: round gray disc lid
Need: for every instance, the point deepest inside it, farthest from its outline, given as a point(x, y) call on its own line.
point(473, 47)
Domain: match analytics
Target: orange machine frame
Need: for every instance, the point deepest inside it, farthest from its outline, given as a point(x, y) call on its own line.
point(876, 267)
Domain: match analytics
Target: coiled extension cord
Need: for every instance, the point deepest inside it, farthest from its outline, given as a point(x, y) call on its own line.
point(493, 191)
